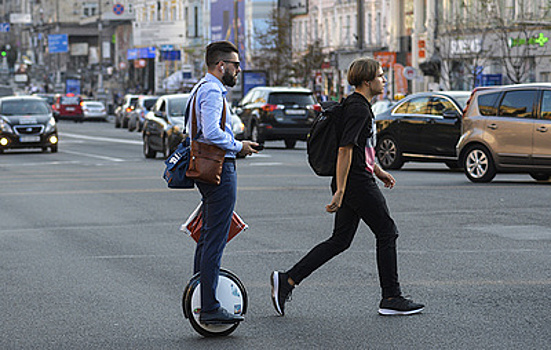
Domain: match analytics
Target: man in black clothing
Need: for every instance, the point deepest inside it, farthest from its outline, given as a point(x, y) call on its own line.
point(356, 196)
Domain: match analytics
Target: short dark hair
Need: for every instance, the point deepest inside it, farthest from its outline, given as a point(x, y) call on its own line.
point(362, 69)
point(217, 51)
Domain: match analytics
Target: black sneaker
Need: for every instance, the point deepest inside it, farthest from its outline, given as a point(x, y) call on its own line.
point(281, 291)
point(399, 306)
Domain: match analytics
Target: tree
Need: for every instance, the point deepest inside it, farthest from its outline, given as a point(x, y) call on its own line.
point(463, 44)
point(273, 52)
point(306, 64)
point(518, 29)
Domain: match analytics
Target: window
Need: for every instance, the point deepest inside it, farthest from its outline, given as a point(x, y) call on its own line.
point(419, 105)
point(487, 104)
point(518, 104)
point(403, 108)
point(546, 105)
point(89, 9)
point(439, 105)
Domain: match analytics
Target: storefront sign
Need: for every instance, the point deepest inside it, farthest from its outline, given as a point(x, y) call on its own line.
point(465, 46)
point(539, 40)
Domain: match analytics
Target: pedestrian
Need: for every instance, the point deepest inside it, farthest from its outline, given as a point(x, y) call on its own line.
point(223, 65)
point(356, 196)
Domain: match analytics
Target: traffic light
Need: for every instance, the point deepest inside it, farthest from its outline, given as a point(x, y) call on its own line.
point(3, 51)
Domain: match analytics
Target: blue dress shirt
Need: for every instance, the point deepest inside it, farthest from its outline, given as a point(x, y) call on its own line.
point(210, 98)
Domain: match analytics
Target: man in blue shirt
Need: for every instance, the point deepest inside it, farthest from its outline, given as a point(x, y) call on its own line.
point(222, 60)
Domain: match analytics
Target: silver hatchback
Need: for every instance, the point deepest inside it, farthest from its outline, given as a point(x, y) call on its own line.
point(507, 129)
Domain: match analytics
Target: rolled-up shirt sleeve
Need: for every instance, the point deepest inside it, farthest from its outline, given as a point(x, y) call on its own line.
point(209, 109)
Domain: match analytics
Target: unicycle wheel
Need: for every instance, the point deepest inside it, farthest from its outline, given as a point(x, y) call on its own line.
point(231, 294)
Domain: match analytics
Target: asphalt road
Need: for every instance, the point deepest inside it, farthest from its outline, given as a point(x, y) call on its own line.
point(92, 258)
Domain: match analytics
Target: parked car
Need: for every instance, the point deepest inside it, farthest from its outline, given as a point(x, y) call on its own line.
point(381, 106)
point(136, 117)
point(278, 113)
point(69, 106)
point(49, 98)
point(507, 129)
point(126, 107)
point(421, 127)
point(94, 110)
point(164, 125)
point(27, 122)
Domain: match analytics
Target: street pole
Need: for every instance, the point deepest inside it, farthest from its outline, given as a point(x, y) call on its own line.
point(100, 44)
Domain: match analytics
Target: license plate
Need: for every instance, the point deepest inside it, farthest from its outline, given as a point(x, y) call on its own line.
point(29, 139)
point(295, 112)
point(70, 108)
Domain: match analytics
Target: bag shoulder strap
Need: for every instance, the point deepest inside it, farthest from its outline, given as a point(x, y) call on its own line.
point(194, 116)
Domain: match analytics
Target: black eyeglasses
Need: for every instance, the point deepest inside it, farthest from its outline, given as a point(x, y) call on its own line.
point(237, 64)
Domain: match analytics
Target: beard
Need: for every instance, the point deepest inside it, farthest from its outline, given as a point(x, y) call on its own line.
point(229, 79)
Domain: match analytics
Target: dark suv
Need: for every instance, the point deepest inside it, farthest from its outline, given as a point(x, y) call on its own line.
point(507, 129)
point(278, 113)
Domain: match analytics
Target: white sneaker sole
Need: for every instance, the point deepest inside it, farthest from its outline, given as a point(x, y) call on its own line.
point(390, 312)
point(275, 288)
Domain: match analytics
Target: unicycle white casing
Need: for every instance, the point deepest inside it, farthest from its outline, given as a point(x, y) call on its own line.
point(231, 294)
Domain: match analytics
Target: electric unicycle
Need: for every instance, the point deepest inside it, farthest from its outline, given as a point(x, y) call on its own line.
point(231, 294)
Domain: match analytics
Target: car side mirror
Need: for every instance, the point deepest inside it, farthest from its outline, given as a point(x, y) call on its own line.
point(451, 114)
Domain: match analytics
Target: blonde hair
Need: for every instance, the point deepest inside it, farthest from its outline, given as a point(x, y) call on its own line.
point(362, 69)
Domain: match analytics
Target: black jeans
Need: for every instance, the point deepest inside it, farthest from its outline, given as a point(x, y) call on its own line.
point(362, 200)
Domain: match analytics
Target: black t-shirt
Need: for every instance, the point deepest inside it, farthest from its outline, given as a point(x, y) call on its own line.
point(357, 128)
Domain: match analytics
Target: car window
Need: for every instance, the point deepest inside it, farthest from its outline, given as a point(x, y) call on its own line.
point(258, 97)
point(546, 105)
point(438, 105)
point(162, 106)
point(24, 108)
point(290, 99)
point(403, 108)
point(149, 103)
point(419, 105)
point(517, 104)
point(487, 103)
point(177, 106)
point(70, 100)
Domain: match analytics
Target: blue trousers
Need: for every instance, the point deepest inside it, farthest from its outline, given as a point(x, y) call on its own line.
point(218, 205)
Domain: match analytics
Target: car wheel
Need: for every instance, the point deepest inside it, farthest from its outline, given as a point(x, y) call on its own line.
point(166, 147)
point(255, 135)
point(53, 148)
point(478, 164)
point(389, 153)
point(289, 143)
point(147, 151)
point(540, 176)
point(131, 126)
point(125, 123)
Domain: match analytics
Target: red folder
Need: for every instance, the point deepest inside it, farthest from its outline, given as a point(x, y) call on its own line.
point(192, 226)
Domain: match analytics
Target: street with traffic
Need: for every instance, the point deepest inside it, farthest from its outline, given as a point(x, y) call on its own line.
point(92, 255)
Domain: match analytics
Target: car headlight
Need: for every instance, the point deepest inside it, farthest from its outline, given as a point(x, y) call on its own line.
point(5, 126)
point(51, 125)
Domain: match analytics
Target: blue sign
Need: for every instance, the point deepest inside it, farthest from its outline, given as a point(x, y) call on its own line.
point(72, 86)
point(253, 79)
point(132, 54)
point(58, 43)
point(173, 55)
point(4, 27)
point(489, 80)
point(146, 52)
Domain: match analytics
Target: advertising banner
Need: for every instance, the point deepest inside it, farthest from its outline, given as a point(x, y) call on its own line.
point(227, 18)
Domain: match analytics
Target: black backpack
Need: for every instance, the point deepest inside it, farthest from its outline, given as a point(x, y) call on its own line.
point(322, 141)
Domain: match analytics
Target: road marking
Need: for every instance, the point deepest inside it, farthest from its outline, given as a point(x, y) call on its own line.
point(106, 139)
point(112, 159)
